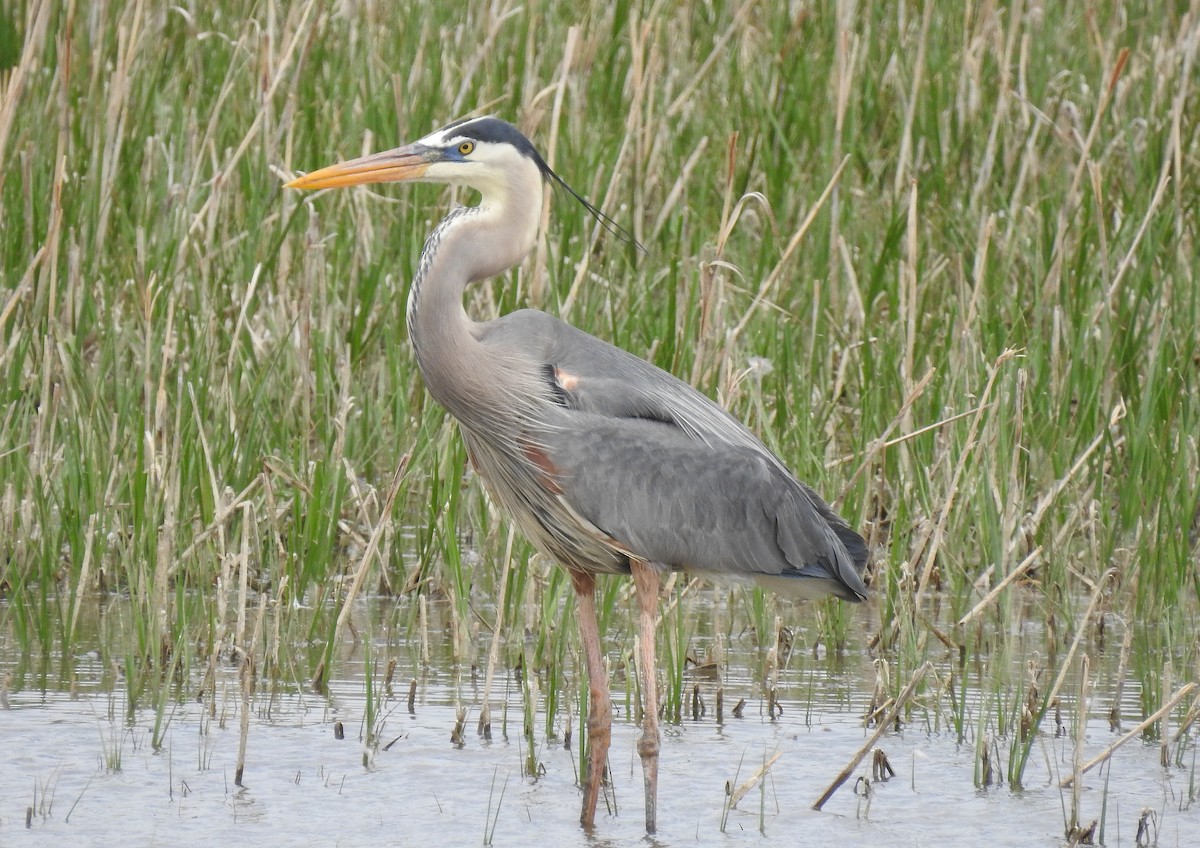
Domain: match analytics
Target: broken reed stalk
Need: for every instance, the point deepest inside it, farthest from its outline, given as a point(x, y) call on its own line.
point(458, 736)
point(1114, 712)
point(360, 574)
point(1097, 594)
point(248, 680)
point(739, 793)
point(423, 628)
point(931, 541)
point(81, 583)
point(1189, 718)
point(485, 711)
point(1164, 737)
point(776, 273)
point(1111, 749)
point(1081, 714)
point(883, 442)
point(1025, 565)
point(224, 514)
point(209, 683)
point(247, 686)
point(774, 661)
point(880, 729)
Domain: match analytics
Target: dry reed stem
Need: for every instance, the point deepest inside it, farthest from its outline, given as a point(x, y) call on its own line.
point(880, 729)
point(166, 478)
point(485, 711)
point(10, 305)
point(1189, 719)
point(1081, 714)
point(776, 273)
point(247, 301)
point(1080, 629)
point(537, 285)
point(1165, 684)
point(773, 662)
point(247, 683)
point(740, 793)
point(84, 570)
point(717, 51)
point(709, 294)
point(423, 627)
point(494, 23)
point(1164, 179)
point(360, 573)
point(1189, 24)
point(129, 36)
point(223, 514)
point(1074, 196)
point(209, 683)
point(47, 291)
point(1166, 708)
point(638, 85)
point(243, 561)
point(673, 598)
point(207, 207)
point(930, 542)
point(882, 443)
point(991, 596)
point(37, 22)
point(983, 242)
point(984, 176)
point(672, 199)
point(904, 165)
point(845, 62)
point(908, 281)
point(1114, 713)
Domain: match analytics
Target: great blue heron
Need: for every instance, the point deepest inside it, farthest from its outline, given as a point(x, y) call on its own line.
point(605, 462)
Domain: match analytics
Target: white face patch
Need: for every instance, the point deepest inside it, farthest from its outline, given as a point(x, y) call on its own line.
point(442, 138)
point(495, 160)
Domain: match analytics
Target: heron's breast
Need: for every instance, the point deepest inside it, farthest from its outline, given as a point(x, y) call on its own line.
point(525, 483)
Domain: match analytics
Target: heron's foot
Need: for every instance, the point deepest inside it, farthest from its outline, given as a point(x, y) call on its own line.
point(648, 748)
point(599, 736)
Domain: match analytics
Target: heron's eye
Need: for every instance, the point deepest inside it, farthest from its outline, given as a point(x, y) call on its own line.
point(466, 148)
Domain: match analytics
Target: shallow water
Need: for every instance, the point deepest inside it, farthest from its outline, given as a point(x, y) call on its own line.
point(302, 786)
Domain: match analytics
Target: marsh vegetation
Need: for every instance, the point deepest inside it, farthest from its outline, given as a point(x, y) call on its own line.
point(941, 257)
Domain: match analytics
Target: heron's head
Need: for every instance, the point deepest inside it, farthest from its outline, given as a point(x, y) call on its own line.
point(483, 153)
point(486, 154)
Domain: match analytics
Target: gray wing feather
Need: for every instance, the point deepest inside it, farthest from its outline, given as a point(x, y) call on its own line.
point(712, 510)
point(615, 383)
point(671, 477)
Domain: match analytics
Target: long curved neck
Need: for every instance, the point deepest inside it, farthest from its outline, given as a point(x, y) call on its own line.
point(470, 244)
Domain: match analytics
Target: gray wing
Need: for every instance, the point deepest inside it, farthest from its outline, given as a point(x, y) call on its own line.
point(716, 511)
point(595, 376)
point(670, 477)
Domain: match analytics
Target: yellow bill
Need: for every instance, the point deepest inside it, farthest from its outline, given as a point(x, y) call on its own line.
point(403, 163)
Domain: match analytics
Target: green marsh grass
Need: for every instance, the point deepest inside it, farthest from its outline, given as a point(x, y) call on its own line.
point(940, 256)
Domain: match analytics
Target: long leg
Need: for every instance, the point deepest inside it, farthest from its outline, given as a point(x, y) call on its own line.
point(600, 705)
point(646, 580)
